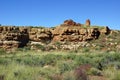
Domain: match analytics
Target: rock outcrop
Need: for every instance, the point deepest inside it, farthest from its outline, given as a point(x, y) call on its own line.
point(75, 34)
point(70, 22)
point(40, 35)
point(105, 30)
point(14, 37)
point(87, 22)
point(68, 32)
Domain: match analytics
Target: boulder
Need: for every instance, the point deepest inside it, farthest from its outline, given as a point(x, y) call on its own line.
point(83, 31)
point(10, 44)
point(40, 35)
point(23, 30)
point(70, 22)
point(105, 30)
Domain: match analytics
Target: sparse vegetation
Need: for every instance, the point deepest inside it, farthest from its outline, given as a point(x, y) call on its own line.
point(79, 61)
point(54, 65)
point(2, 51)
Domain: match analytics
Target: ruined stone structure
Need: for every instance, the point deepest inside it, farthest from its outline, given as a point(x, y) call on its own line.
point(70, 22)
point(14, 37)
point(87, 22)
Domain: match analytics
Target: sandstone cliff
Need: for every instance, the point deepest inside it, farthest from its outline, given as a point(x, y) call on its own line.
point(14, 37)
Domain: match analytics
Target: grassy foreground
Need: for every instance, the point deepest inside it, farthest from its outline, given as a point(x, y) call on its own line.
point(59, 65)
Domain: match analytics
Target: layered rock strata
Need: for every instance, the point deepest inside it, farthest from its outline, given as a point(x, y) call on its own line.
point(15, 37)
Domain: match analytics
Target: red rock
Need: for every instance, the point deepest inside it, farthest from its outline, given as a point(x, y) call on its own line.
point(87, 22)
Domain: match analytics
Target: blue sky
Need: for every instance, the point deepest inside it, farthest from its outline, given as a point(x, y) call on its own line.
point(50, 13)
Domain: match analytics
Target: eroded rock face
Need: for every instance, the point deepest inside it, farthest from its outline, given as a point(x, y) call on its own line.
point(77, 35)
point(40, 35)
point(9, 44)
point(14, 37)
point(68, 32)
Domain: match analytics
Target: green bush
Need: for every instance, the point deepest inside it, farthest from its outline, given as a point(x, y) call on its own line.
point(2, 77)
point(5, 61)
point(56, 77)
point(34, 61)
point(30, 60)
point(69, 75)
point(41, 47)
point(94, 71)
point(54, 66)
point(70, 56)
point(50, 48)
point(85, 50)
point(66, 66)
point(2, 51)
point(57, 44)
point(83, 59)
point(51, 59)
point(116, 76)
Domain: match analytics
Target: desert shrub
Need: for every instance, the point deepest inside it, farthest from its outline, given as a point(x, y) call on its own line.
point(2, 51)
point(41, 47)
point(39, 61)
point(109, 60)
point(94, 71)
point(50, 59)
point(116, 56)
point(30, 60)
point(5, 61)
point(24, 49)
point(112, 74)
point(117, 65)
point(57, 44)
point(49, 72)
point(82, 60)
point(22, 72)
point(20, 49)
point(81, 72)
point(116, 76)
point(69, 75)
point(85, 50)
point(97, 61)
point(2, 77)
point(56, 77)
point(49, 48)
point(70, 56)
point(65, 66)
point(52, 66)
point(27, 48)
point(73, 51)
